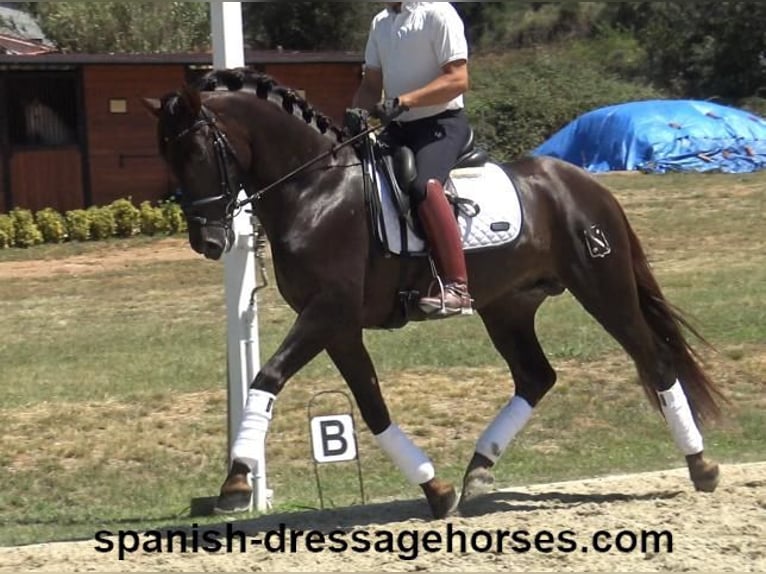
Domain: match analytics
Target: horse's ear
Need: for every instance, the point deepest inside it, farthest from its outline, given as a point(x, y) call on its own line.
point(153, 105)
point(191, 99)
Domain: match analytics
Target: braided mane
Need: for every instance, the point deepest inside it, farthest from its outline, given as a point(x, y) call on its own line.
point(267, 88)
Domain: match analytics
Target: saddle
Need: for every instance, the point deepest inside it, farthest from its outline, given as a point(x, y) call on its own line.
point(396, 164)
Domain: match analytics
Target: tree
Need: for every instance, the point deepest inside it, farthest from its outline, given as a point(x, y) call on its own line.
point(143, 27)
point(701, 49)
point(309, 25)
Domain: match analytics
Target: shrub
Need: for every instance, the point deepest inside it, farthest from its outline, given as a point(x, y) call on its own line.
point(26, 232)
point(52, 225)
point(127, 218)
point(102, 223)
point(78, 224)
point(7, 235)
point(174, 216)
point(519, 101)
point(152, 219)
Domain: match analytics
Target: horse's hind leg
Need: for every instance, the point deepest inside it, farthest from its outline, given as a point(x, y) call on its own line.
point(627, 302)
point(353, 362)
point(511, 326)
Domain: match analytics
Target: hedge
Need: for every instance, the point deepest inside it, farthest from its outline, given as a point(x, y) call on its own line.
point(24, 228)
point(519, 100)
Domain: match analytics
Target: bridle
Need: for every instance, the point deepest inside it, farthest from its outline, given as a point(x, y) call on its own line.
point(223, 152)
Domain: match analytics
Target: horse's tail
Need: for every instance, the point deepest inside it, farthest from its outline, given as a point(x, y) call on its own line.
point(666, 322)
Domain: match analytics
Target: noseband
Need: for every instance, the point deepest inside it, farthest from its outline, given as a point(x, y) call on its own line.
point(223, 151)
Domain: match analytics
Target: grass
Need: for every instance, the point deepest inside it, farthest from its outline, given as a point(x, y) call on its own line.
point(113, 375)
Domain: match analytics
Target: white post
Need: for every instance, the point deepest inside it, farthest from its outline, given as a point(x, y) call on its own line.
point(243, 352)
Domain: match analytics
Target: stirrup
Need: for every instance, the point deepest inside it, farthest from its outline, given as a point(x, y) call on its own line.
point(443, 311)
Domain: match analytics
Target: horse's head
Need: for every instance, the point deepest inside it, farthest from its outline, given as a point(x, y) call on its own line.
point(208, 162)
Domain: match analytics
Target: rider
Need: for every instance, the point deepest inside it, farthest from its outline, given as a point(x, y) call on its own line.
point(417, 57)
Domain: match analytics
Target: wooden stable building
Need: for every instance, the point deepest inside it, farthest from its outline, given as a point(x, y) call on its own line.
point(73, 132)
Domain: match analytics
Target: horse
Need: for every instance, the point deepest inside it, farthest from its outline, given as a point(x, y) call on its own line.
point(44, 126)
point(238, 129)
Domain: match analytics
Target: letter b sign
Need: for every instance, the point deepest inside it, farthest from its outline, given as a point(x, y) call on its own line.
point(333, 439)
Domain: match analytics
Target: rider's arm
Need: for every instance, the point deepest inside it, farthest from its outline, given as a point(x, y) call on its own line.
point(370, 90)
point(450, 84)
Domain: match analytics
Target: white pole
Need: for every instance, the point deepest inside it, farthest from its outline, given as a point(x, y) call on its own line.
point(243, 352)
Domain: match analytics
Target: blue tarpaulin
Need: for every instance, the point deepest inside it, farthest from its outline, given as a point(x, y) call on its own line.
point(659, 136)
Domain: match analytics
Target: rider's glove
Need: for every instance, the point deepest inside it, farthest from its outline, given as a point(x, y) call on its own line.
point(354, 122)
point(388, 110)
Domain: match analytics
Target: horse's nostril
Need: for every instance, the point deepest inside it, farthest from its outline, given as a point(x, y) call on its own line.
point(213, 249)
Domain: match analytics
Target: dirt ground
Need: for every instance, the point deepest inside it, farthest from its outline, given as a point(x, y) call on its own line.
point(724, 531)
point(110, 258)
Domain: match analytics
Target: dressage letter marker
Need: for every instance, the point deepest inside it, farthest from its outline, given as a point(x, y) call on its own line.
point(333, 438)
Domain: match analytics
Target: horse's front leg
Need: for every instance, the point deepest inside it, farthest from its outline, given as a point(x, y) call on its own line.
point(305, 340)
point(352, 360)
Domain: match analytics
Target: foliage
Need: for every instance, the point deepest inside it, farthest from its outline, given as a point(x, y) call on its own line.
point(511, 25)
point(122, 219)
point(78, 224)
point(26, 232)
point(127, 218)
point(693, 49)
point(7, 235)
point(308, 25)
point(152, 219)
point(52, 225)
point(125, 26)
point(516, 103)
point(174, 217)
point(102, 222)
point(700, 49)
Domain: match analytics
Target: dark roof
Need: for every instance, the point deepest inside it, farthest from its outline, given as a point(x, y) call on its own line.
point(252, 57)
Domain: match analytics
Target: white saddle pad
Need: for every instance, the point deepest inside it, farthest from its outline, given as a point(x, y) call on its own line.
point(497, 223)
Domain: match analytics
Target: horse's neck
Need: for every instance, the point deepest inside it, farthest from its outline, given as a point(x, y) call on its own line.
point(294, 136)
point(281, 144)
point(303, 196)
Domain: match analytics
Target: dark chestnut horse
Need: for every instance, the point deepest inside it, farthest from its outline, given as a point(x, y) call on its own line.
point(240, 129)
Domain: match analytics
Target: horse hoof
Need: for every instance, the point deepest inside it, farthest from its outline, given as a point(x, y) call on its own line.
point(236, 493)
point(442, 498)
point(477, 482)
point(706, 479)
point(233, 503)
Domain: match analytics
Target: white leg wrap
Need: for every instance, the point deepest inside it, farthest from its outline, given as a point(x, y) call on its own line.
point(407, 457)
point(250, 444)
point(678, 415)
point(507, 424)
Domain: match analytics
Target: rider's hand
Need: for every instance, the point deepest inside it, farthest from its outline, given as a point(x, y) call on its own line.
point(354, 122)
point(388, 110)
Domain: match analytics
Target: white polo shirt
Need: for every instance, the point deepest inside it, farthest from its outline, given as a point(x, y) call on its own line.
point(411, 48)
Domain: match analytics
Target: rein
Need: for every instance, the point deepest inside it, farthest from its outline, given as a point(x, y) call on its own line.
point(331, 152)
point(223, 147)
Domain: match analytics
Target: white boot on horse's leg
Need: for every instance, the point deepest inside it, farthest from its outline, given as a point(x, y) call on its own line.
point(418, 470)
point(687, 437)
point(247, 452)
point(492, 444)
